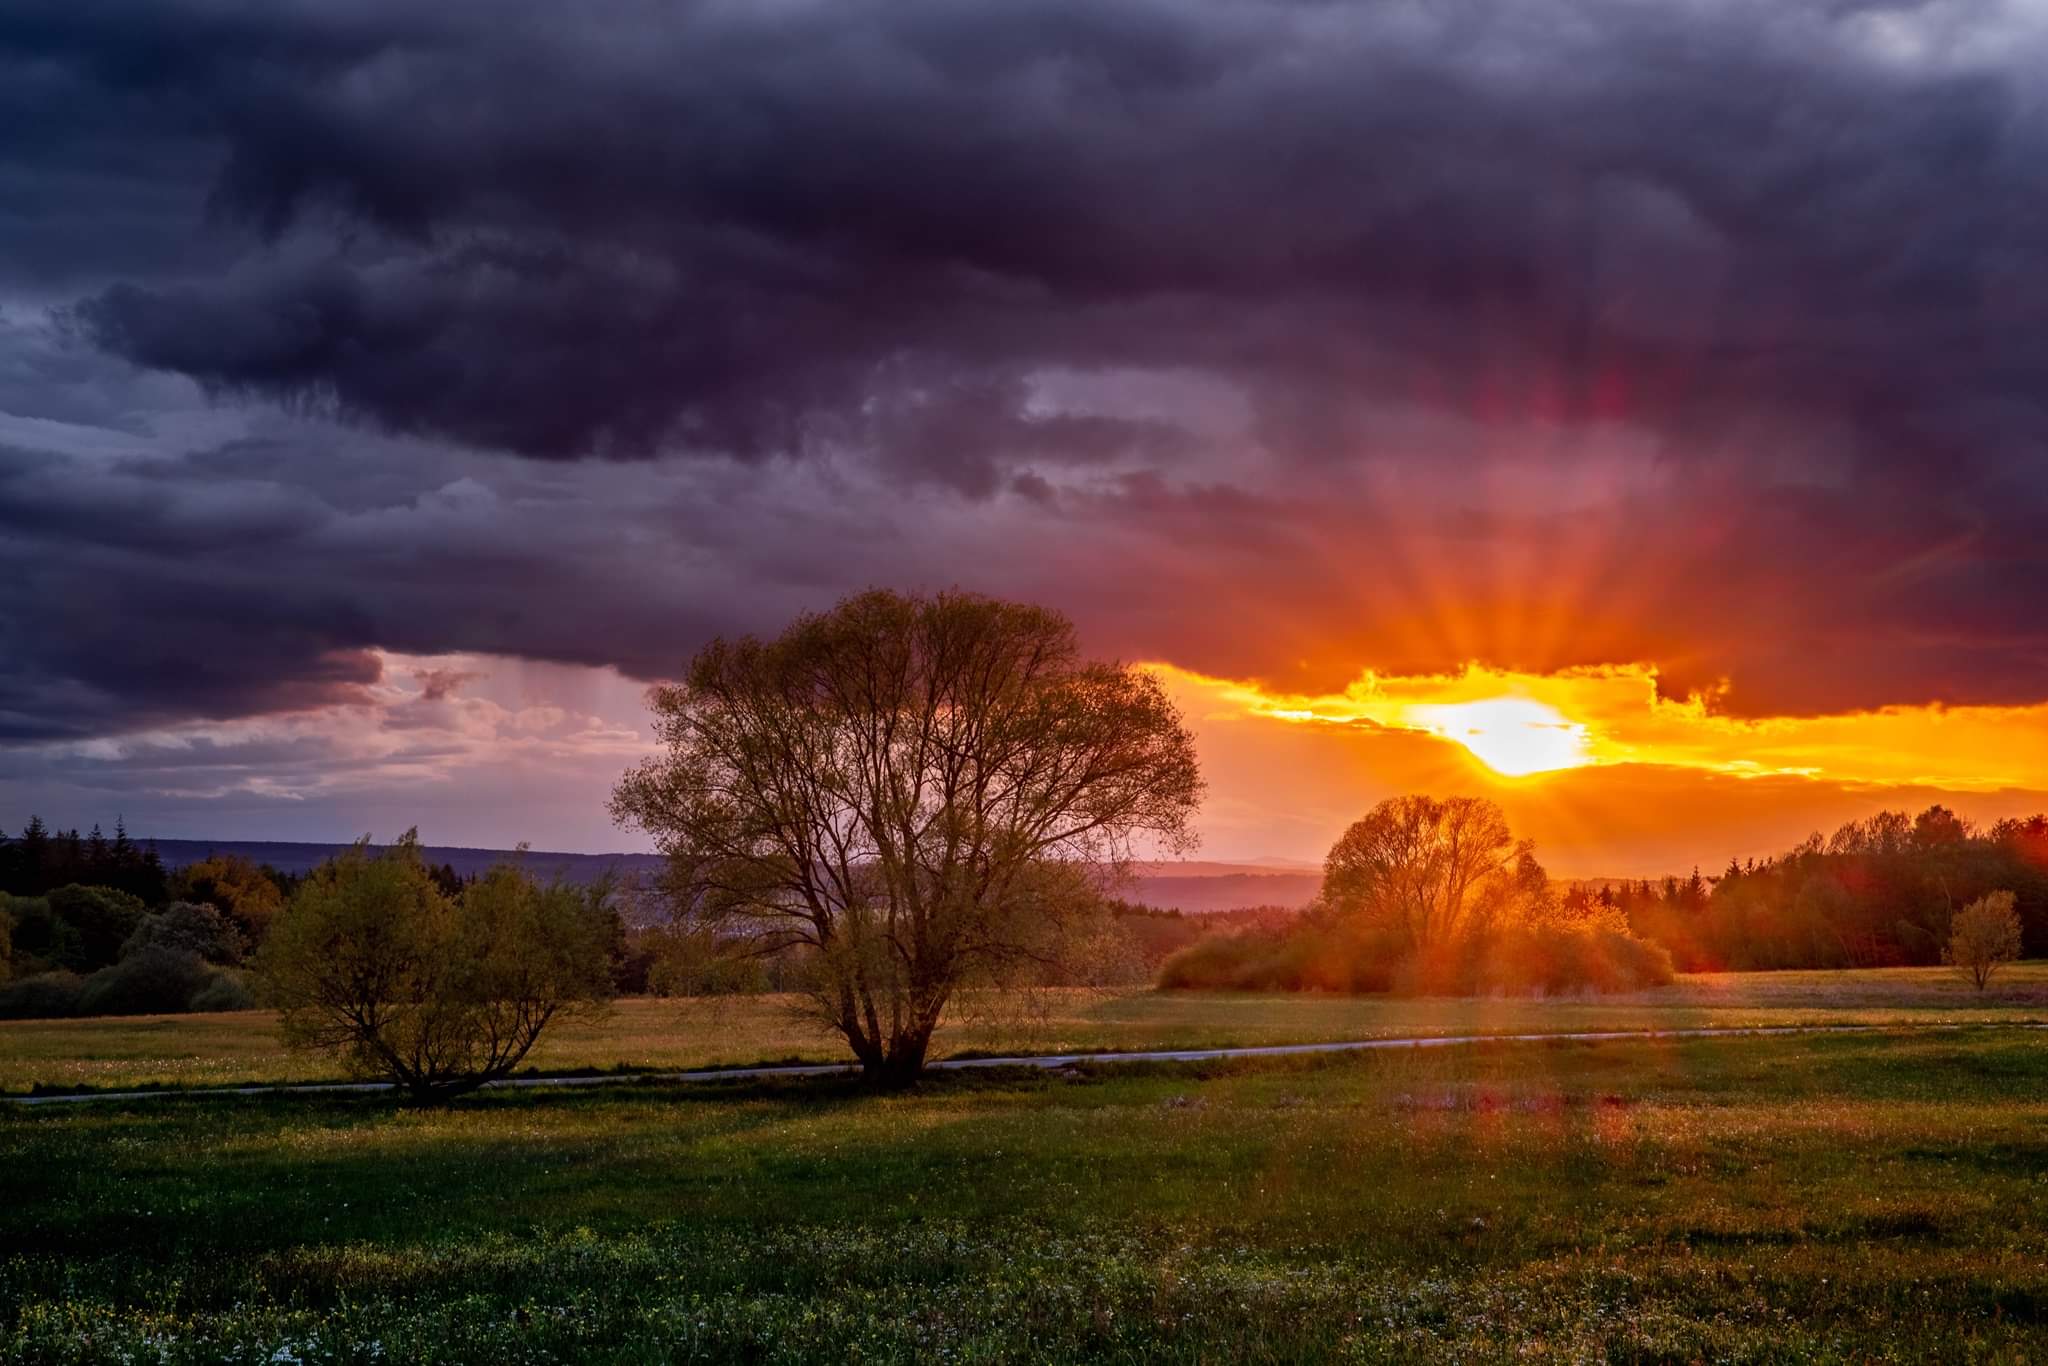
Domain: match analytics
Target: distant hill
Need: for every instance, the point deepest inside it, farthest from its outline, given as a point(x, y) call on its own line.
point(290, 856)
point(1195, 867)
point(1201, 893)
point(1195, 887)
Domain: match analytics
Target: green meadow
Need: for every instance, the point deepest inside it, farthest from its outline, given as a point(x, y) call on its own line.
point(1850, 1196)
point(647, 1033)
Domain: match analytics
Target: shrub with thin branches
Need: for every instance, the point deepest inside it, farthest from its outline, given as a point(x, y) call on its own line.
point(371, 961)
point(1984, 938)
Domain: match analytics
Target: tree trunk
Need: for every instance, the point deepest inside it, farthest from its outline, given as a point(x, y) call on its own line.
point(865, 1047)
point(903, 1063)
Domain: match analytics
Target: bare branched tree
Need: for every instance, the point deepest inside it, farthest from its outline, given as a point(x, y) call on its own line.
point(914, 792)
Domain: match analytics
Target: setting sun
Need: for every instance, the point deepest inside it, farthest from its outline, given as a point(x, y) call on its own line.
point(1515, 736)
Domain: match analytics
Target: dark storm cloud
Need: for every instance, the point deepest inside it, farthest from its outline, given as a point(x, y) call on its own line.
point(718, 226)
point(253, 578)
point(823, 257)
point(127, 607)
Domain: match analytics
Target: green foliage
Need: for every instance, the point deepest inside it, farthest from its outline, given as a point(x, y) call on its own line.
point(42, 859)
point(161, 963)
point(1229, 962)
point(1313, 953)
point(152, 981)
point(189, 927)
point(1545, 957)
point(223, 991)
point(528, 950)
point(41, 942)
point(371, 961)
point(41, 996)
point(101, 919)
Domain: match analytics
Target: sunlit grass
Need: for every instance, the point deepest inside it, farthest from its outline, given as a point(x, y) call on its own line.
point(205, 1050)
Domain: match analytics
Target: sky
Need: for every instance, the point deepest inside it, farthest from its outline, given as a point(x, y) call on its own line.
point(1630, 410)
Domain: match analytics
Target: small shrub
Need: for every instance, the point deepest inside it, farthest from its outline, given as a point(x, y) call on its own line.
point(1984, 938)
point(1561, 958)
point(1304, 955)
point(373, 962)
point(1223, 962)
point(45, 996)
point(1345, 956)
point(152, 982)
point(224, 991)
point(1451, 968)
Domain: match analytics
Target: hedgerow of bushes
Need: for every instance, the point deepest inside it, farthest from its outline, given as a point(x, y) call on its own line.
point(1317, 955)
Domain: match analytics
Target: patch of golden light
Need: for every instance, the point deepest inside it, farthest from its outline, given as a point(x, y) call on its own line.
point(1515, 736)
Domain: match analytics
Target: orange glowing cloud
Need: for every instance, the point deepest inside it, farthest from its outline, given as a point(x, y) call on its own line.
point(1522, 724)
point(1608, 776)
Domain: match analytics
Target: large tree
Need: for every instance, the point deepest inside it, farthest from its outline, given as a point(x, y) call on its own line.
point(911, 792)
point(1431, 869)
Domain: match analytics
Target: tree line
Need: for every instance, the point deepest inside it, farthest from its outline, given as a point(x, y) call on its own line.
point(40, 860)
point(97, 926)
point(1879, 892)
point(1437, 896)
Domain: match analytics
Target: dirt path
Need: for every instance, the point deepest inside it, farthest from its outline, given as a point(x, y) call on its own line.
point(1043, 1060)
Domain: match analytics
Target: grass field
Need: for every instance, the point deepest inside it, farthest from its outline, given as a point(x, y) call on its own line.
point(207, 1050)
point(1841, 1197)
point(1838, 1197)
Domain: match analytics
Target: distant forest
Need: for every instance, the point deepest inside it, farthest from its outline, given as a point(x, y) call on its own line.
point(41, 860)
point(1878, 893)
point(98, 924)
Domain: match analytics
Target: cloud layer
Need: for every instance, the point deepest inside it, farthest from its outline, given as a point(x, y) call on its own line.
point(1279, 340)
